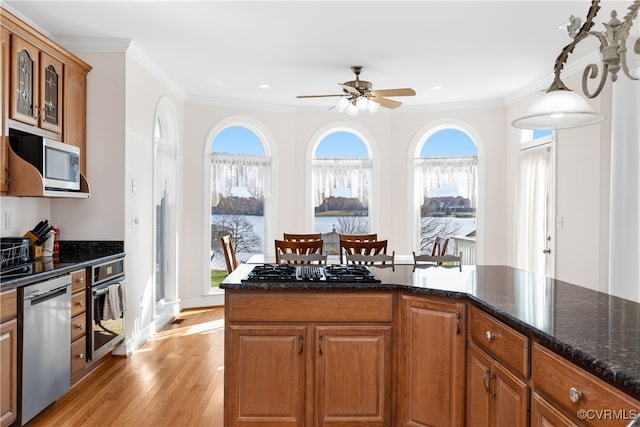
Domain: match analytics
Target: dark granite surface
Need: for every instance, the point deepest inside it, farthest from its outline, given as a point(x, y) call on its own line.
point(597, 331)
point(74, 254)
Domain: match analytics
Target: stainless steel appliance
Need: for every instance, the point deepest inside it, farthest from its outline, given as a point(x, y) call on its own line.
point(46, 337)
point(107, 307)
point(328, 273)
point(59, 163)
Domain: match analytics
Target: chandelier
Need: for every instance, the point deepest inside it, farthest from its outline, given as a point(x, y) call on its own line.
point(561, 108)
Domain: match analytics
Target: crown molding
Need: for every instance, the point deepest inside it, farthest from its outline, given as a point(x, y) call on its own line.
point(95, 44)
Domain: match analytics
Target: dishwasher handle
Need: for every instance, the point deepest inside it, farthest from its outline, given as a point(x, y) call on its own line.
point(46, 296)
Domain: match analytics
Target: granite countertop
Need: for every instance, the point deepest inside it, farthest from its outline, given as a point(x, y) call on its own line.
point(597, 331)
point(74, 254)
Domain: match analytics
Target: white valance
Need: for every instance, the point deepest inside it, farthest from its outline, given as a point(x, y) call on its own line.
point(458, 173)
point(237, 175)
point(341, 177)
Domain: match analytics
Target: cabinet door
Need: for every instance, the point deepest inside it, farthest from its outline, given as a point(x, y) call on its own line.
point(543, 414)
point(51, 94)
point(75, 120)
point(25, 70)
point(432, 364)
point(8, 372)
point(265, 375)
point(479, 379)
point(352, 375)
point(510, 397)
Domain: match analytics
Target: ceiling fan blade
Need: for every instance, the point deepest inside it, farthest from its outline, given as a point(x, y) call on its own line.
point(394, 92)
point(350, 89)
point(387, 103)
point(317, 96)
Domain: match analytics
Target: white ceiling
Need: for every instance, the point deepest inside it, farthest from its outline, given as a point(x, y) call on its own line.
point(480, 51)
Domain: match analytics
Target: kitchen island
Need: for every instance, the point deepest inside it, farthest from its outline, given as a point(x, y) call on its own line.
point(501, 313)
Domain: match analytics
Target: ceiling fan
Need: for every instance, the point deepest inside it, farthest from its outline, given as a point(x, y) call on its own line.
point(360, 94)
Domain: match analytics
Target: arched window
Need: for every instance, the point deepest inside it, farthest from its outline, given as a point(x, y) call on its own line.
point(165, 158)
point(446, 174)
point(341, 176)
point(239, 172)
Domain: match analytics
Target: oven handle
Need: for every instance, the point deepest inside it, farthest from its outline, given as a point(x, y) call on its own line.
point(98, 292)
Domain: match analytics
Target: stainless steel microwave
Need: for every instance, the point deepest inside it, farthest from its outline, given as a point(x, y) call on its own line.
point(57, 162)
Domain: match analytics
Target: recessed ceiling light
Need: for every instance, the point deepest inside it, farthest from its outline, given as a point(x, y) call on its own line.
point(436, 87)
point(264, 86)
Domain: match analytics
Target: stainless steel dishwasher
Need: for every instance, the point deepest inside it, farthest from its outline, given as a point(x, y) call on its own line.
point(46, 338)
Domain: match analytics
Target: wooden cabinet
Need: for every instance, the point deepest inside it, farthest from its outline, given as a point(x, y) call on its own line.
point(497, 372)
point(308, 359)
point(78, 324)
point(544, 414)
point(44, 91)
point(4, 108)
point(8, 357)
point(36, 87)
point(352, 375)
point(577, 396)
point(75, 112)
point(432, 362)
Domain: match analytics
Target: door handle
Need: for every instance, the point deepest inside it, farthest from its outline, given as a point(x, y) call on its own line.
point(546, 251)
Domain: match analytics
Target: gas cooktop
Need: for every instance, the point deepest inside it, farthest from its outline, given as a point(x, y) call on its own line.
point(301, 273)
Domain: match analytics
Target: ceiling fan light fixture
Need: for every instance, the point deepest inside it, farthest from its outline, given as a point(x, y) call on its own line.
point(351, 109)
point(558, 109)
point(342, 104)
point(373, 106)
point(362, 103)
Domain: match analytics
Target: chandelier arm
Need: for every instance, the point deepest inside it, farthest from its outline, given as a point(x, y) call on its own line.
point(591, 72)
point(561, 60)
point(625, 27)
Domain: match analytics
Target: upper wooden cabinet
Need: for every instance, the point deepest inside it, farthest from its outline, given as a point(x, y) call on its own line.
point(44, 91)
point(4, 107)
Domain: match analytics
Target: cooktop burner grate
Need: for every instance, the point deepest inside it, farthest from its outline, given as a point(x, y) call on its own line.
point(293, 273)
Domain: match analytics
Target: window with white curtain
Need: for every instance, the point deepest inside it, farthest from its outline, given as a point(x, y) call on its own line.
point(164, 199)
point(341, 177)
point(446, 179)
point(239, 180)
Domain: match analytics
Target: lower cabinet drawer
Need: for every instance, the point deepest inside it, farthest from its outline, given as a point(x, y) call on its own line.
point(78, 355)
point(78, 326)
point(500, 341)
point(584, 397)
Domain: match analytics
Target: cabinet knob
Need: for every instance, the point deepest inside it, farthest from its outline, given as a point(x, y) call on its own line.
point(489, 336)
point(80, 280)
point(575, 395)
point(79, 326)
point(80, 303)
point(80, 355)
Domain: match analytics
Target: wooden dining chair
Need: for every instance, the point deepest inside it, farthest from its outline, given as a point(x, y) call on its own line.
point(367, 253)
point(229, 253)
point(437, 260)
point(439, 246)
point(297, 248)
point(354, 238)
point(289, 237)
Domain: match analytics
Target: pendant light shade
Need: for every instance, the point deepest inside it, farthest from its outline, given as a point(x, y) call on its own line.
point(558, 109)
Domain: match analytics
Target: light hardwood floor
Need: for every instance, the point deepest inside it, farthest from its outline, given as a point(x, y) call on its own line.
point(174, 379)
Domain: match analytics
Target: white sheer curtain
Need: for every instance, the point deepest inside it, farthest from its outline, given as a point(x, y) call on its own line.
point(350, 175)
point(624, 249)
point(458, 173)
point(532, 208)
point(237, 174)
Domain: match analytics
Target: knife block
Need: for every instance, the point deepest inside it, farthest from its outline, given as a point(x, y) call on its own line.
point(36, 251)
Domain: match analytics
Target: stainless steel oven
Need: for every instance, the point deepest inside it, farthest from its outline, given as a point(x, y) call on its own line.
point(107, 307)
